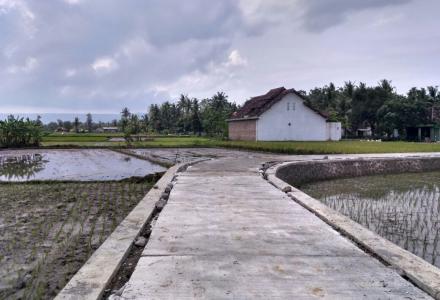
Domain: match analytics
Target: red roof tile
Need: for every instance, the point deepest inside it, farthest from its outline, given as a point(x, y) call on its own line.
point(256, 106)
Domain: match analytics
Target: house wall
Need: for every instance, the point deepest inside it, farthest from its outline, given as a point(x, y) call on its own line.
point(242, 130)
point(334, 131)
point(305, 124)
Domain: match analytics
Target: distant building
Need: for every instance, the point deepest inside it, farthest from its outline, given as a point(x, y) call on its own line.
point(429, 132)
point(61, 129)
point(108, 129)
point(281, 115)
point(423, 133)
point(364, 132)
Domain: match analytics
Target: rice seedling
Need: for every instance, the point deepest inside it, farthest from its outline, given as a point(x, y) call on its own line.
point(50, 229)
point(404, 208)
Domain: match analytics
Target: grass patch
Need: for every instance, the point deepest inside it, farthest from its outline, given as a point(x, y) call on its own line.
point(342, 147)
point(48, 230)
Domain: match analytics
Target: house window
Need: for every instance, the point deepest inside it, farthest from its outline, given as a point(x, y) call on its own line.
point(290, 106)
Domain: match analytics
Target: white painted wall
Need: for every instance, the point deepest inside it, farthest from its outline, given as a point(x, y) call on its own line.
point(305, 124)
point(334, 131)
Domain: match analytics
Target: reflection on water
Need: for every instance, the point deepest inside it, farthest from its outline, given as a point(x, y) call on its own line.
point(403, 208)
point(21, 167)
point(72, 165)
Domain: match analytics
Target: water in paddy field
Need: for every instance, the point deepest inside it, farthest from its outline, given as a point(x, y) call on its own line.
point(72, 165)
point(402, 208)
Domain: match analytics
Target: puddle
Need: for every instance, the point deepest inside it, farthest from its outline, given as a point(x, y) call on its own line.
point(76, 165)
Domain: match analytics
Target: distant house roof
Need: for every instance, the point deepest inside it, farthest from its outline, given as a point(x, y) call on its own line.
point(256, 106)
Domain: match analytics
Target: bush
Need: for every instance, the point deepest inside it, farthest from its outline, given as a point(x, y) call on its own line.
point(15, 132)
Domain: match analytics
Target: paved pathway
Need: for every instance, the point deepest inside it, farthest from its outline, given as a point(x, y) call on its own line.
point(226, 233)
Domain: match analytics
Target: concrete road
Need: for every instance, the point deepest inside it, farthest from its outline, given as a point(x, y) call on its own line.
point(226, 233)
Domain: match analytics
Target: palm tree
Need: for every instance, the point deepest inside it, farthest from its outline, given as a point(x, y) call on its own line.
point(76, 124)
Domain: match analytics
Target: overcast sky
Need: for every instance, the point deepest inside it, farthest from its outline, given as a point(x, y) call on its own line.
point(102, 55)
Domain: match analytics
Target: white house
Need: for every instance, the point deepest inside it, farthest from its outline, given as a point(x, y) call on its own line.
point(281, 115)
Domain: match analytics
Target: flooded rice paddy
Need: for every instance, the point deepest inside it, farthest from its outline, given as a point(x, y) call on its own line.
point(49, 230)
point(56, 209)
point(72, 165)
point(403, 208)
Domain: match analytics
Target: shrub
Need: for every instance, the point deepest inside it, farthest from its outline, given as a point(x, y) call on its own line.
point(19, 132)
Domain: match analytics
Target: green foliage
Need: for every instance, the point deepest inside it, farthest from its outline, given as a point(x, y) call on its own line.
point(215, 111)
point(189, 116)
point(89, 122)
point(378, 107)
point(19, 132)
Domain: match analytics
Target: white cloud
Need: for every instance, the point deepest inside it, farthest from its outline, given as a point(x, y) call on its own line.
point(70, 73)
point(73, 2)
point(29, 65)
point(388, 19)
point(112, 53)
point(135, 47)
point(26, 14)
point(215, 77)
point(105, 65)
point(236, 60)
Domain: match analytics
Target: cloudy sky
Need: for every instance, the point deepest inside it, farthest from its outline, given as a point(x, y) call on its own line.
point(101, 55)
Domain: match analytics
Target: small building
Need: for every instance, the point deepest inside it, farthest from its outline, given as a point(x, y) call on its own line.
point(108, 129)
point(423, 133)
point(364, 132)
point(61, 129)
point(281, 115)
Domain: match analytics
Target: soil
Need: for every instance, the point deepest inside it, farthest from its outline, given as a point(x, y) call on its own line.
point(49, 230)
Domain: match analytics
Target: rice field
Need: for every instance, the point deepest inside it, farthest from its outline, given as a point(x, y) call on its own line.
point(48, 230)
point(404, 208)
point(285, 147)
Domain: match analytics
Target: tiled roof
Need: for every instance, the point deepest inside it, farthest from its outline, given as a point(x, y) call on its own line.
point(256, 106)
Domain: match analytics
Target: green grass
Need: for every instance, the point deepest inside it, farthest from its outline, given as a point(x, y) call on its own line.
point(342, 147)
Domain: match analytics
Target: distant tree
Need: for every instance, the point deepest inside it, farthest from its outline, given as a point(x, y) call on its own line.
point(134, 124)
point(125, 115)
point(38, 121)
point(89, 122)
point(215, 111)
point(76, 124)
point(154, 115)
point(184, 110)
point(144, 123)
point(51, 126)
point(67, 125)
point(195, 117)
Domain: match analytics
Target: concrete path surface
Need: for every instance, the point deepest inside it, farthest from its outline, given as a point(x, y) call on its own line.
point(226, 233)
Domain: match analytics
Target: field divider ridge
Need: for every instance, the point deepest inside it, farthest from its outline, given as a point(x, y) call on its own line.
point(90, 282)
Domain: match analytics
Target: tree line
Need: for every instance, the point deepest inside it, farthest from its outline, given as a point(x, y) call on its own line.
point(356, 106)
point(186, 116)
point(379, 107)
point(76, 125)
